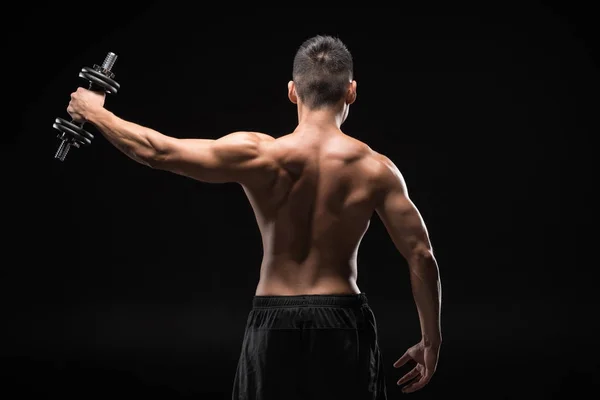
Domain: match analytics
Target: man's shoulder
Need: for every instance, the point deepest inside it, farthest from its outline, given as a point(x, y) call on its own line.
point(381, 171)
point(259, 135)
point(375, 166)
point(371, 158)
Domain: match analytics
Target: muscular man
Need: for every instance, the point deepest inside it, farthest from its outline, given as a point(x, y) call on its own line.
point(311, 333)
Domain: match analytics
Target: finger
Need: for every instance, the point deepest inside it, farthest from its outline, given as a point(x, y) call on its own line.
point(410, 375)
point(416, 385)
point(402, 360)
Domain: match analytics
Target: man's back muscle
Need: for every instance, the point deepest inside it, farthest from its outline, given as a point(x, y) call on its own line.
point(315, 213)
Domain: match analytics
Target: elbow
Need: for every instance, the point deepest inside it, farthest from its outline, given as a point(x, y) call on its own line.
point(153, 150)
point(154, 160)
point(146, 157)
point(421, 255)
point(423, 266)
point(153, 156)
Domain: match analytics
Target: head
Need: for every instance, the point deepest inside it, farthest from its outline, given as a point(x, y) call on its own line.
point(322, 76)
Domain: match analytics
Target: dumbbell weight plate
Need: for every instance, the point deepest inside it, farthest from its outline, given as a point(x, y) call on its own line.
point(107, 83)
point(79, 134)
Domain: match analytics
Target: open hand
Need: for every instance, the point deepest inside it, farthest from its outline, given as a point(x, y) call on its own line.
point(426, 358)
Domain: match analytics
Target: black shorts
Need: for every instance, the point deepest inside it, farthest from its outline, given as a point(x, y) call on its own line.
point(310, 347)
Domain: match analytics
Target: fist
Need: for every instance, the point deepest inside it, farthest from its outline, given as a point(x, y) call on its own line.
point(84, 103)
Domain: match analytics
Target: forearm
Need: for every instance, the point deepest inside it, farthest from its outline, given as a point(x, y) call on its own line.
point(137, 142)
point(427, 292)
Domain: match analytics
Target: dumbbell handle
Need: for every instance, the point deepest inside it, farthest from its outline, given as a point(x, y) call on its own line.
point(67, 142)
point(105, 69)
point(107, 64)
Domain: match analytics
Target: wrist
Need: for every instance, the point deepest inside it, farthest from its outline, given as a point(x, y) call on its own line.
point(95, 115)
point(431, 341)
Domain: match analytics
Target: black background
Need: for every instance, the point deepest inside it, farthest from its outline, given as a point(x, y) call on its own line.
point(123, 280)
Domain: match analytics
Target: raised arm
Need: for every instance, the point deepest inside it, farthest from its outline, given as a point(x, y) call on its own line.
point(409, 233)
point(242, 157)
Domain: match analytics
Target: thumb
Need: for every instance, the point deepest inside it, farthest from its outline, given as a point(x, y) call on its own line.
point(402, 360)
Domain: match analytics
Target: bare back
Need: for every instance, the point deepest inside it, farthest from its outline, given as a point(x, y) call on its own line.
point(314, 215)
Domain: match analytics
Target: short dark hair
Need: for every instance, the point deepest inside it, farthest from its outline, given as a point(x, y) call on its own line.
point(323, 68)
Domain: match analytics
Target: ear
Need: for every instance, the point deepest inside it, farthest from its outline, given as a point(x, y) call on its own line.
point(351, 93)
point(292, 92)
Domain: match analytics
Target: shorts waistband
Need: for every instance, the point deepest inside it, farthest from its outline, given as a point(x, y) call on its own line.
point(311, 300)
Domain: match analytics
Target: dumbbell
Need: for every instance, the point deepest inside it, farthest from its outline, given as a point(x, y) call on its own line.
point(72, 134)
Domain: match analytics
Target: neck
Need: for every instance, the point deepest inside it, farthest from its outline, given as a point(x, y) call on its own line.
point(330, 117)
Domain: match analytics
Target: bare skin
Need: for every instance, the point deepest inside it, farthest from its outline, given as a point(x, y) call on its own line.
point(313, 193)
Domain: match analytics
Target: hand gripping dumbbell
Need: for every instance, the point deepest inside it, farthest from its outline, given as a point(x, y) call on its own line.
point(72, 134)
